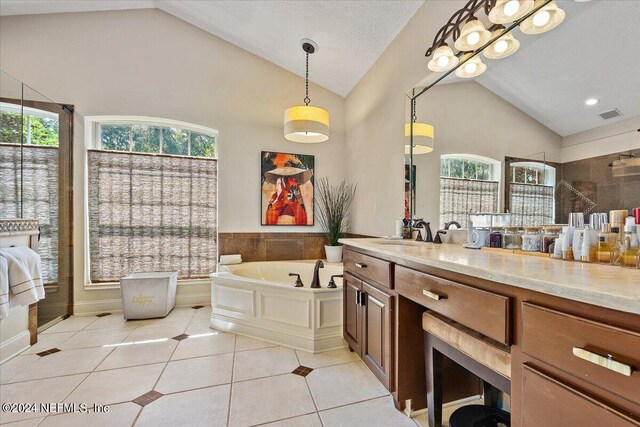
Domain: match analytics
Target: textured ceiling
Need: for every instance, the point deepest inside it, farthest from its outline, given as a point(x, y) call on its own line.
point(595, 52)
point(352, 34)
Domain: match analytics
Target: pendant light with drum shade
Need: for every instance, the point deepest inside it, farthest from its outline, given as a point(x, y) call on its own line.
point(544, 19)
point(423, 134)
point(305, 123)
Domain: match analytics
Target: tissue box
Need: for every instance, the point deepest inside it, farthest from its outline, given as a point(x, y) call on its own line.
point(148, 295)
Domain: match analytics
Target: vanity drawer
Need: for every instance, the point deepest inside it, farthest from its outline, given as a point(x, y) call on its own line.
point(549, 402)
point(368, 267)
point(485, 312)
point(581, 347)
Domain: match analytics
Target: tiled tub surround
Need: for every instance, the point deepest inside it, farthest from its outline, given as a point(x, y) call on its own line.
point(274, 246)
point(259, 299)
point(208, 378)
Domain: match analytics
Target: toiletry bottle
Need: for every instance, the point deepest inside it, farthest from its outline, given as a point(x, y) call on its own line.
point(588, 250)
point(567, 242)
point(630, 243)
point(578, 241)
point(606, 243)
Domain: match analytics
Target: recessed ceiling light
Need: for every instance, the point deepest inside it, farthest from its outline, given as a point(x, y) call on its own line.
point(592, 101)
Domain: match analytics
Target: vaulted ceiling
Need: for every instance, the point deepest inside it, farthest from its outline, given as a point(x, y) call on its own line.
point(351, 34)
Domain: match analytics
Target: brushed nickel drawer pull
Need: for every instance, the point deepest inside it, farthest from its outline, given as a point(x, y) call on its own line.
point(361, 265)
point(607, 362)
point(433, 295)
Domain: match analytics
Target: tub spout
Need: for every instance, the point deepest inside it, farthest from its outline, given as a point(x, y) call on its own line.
point(315, 283)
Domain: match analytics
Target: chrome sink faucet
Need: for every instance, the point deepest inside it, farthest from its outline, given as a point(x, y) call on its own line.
point(315, 283)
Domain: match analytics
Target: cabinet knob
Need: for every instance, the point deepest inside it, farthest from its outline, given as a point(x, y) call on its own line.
point(361, 265)
point(433, 295)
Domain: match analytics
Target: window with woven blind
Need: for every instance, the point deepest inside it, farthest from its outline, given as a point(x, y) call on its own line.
point(458, 197)
point(151, 213)
point(29, 157)
point(152, 198)
point(468, 183)
point(531, 204)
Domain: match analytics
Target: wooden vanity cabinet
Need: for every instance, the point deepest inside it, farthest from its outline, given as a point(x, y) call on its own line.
point(352, 318)
point(369, 317)
point(377, 347)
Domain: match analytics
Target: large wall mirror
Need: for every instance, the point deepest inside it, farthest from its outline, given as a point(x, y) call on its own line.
point(36, 138)
point(551, 129)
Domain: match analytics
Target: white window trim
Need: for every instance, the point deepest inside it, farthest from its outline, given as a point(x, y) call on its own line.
point(91, 124)
point(496, 165)
point(549, 171)
point(496, 173)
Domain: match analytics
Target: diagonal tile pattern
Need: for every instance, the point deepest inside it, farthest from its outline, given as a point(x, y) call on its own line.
point(178, 371)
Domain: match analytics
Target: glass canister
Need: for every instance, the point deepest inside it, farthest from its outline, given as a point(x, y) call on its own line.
point(511, 238)
point(495, 238)
point(549, 235)
point(532, 239)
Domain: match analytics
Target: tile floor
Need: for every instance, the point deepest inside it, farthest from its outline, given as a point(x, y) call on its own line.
point(178, 371)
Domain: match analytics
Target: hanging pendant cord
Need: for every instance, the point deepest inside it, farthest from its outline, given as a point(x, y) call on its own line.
point(414, 118)
point(306, 80)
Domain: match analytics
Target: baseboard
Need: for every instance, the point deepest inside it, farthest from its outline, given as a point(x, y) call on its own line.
point(91, 308)
point(14, 346)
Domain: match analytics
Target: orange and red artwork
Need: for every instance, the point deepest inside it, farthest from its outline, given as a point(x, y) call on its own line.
point(287, 188)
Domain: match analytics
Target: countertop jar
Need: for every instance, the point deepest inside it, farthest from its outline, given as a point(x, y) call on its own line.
point(549, 236)
point(511, 238)
point(495, 238)
point(532, 239)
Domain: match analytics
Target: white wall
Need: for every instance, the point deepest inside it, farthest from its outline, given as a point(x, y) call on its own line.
point(375, 117)
point(375, 120)
point(149, 63)
point(603, 140)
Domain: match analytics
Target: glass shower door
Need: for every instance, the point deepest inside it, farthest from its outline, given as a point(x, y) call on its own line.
point(35, 171)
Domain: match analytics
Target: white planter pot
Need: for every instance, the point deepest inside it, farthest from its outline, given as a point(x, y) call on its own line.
point(334, 253)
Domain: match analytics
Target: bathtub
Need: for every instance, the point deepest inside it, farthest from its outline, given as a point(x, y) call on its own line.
point(258, 299)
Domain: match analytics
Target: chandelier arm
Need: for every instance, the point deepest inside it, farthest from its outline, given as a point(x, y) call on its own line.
point(452, 27)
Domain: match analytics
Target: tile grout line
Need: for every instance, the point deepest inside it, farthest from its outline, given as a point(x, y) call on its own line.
point(88, 374)
point(309, 388)
point(135, 420)
point(233, 368)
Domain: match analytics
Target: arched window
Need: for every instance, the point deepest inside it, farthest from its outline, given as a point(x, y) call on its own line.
point(468, 183)
point(531, 190)
point(151, 197)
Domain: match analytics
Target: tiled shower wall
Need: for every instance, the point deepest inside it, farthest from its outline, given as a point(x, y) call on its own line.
point(274, 246)
point(593, 177)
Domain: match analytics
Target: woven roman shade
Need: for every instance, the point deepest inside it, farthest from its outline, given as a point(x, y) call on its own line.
point(151, 213)
point(531, 204)
point(39, 196)
point(458, 197)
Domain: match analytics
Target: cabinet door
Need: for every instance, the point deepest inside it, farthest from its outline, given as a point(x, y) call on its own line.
point(377, 347)
point(549, 402)
point(352, 319)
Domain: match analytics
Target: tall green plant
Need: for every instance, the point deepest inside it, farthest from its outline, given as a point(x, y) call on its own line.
point(333, 204)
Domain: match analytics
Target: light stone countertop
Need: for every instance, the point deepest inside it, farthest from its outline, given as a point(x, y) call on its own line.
point(602, 285)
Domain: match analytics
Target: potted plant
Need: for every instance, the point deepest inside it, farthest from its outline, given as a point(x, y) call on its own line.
point(333, 204)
